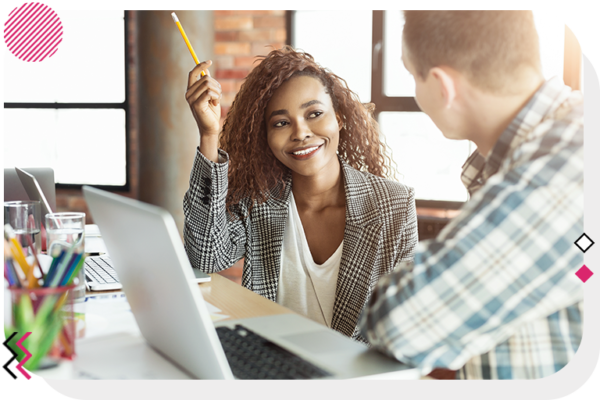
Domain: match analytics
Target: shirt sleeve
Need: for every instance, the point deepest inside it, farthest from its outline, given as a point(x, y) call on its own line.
point(214, 239)
point(506, 259)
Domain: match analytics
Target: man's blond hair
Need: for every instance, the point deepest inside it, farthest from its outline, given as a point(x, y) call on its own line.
point(491, 48)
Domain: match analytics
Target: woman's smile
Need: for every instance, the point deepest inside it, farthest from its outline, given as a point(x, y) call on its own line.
point(306, 152)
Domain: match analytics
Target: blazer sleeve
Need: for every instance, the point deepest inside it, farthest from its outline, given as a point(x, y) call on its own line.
point(410, 236)
point(214, 240)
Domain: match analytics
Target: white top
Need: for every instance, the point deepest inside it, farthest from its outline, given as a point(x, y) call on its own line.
point(304, 286)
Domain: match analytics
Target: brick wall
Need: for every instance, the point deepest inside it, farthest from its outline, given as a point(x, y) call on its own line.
point(240, 36)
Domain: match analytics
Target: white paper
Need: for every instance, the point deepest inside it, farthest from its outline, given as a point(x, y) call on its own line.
point(106, 314)
point(95, 244)
point(110, 313)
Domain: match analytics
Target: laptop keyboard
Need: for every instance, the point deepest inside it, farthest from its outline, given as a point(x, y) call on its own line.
point(251, 356)
point(99, 271)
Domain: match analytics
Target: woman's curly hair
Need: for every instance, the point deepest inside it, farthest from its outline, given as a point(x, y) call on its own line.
point(253, 168)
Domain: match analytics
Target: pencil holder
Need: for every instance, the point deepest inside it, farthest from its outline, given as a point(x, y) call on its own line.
point(44, 324)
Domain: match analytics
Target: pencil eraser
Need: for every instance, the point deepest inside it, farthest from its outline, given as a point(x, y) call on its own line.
point(174, 17)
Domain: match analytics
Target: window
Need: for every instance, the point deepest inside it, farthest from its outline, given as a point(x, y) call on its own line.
point(426, 160)
point(69, 112)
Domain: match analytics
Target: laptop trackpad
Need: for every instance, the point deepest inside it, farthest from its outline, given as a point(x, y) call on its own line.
point(321, 341)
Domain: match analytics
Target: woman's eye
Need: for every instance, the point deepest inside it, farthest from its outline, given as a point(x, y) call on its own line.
point(315, 114)
point(279, 124)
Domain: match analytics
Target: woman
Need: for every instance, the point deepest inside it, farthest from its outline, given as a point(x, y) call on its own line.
point(297, 189)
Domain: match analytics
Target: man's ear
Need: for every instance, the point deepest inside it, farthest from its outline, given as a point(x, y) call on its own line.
point(446, 84)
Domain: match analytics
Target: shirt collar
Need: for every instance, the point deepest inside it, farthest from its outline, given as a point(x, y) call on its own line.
point(477, 169)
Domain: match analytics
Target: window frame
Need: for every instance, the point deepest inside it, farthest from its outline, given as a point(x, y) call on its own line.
point(383, 103)
point(120, 106)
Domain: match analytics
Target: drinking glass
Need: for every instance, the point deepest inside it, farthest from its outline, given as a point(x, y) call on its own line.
point(66, 231)
point(24, 217)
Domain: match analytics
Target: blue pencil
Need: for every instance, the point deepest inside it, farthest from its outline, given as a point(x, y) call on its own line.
point(69, 270)
point(62, 267)
point(52, 270)
point(77, 269)
point(13, 273)
point(7, 274)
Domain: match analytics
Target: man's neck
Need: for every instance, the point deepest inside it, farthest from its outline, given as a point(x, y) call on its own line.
point(492, 113)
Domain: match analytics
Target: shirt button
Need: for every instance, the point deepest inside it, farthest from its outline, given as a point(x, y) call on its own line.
point(206, 190)
point(205, 200)
point(207, 181)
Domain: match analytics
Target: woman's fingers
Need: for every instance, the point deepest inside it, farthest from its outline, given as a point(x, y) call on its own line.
point(197, 90)
point(196, 73)
point(204, 98)
point(201, 86)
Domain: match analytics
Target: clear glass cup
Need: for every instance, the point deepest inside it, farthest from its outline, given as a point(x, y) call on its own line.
point(24, 217)
point(66, 231)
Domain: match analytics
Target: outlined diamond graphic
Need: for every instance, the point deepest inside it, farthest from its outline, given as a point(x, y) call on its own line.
point(584, 243)
point(584, 273)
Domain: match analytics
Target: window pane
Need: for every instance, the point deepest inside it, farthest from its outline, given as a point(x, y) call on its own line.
point(88, 67)
point(340, 41)
point(428, 161)
point(551, 31)
point(82, 146)
point(397, 81)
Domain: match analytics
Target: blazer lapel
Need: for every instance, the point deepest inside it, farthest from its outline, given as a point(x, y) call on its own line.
point(360, 252)
point(273, 216)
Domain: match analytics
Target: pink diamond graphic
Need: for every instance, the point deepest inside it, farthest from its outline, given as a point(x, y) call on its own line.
point(584, 273)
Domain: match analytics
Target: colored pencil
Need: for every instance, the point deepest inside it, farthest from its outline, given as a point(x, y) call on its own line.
point(37, 261)
point(187, 42)
point(56, 259)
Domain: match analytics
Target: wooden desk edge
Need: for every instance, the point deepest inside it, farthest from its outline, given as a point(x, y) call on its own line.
point(233, 300)
point(236, 301)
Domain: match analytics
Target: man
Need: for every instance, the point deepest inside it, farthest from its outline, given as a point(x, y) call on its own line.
point(495, 295)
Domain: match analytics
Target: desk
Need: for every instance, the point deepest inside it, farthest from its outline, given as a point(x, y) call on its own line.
point(234, 300)
point(239, 302)
point(115, 349)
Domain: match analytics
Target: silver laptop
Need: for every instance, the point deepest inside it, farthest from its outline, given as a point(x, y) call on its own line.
point(154, 269)
point(34, 191)
point(14, 188)
point(99, 273)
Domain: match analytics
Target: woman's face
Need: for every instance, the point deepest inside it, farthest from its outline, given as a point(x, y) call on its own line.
point(303, 129)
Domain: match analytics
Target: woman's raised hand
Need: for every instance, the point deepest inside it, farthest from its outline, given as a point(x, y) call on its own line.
point(204, 96)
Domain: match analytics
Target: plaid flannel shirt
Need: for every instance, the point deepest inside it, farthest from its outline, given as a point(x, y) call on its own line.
point(495, 295)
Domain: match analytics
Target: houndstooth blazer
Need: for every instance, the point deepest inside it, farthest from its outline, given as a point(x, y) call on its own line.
point(381, 230)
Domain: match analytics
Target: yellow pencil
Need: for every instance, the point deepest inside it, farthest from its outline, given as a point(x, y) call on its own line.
point(19, 256)
point(187, 42)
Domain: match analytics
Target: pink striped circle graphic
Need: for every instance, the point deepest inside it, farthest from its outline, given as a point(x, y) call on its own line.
point(33, 32)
